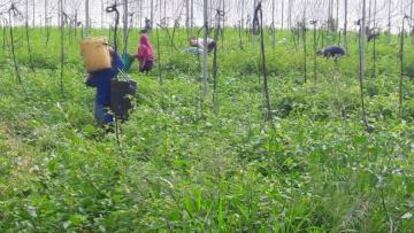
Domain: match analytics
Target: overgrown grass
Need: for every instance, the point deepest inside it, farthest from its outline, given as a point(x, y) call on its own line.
point(182, 168)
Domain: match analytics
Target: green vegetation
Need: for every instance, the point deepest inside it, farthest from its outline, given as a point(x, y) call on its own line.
point(180, 167)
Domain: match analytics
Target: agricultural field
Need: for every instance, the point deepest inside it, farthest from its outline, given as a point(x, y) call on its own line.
point(188, 162)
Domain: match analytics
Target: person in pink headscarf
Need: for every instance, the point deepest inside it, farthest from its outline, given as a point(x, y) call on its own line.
point(145, 53)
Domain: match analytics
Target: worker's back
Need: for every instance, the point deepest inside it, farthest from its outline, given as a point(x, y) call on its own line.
point(333, 51)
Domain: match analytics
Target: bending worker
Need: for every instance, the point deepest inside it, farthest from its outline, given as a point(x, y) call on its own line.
point(199, 43)
point(145, 53)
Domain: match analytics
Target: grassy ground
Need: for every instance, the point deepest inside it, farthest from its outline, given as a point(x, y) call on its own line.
point(182, 168)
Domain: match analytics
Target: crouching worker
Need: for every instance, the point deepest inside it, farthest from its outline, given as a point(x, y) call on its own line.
point(331, 52)
point(199, 43)
point(145, 53)
point(101, 80)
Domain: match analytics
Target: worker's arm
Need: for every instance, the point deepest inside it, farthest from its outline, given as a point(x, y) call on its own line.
point(90, 81)
point(118, 63)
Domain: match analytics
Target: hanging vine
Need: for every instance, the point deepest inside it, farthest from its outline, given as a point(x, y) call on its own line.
point(27, 32)
point(362, 42)
point(258, 20)
point(62, 46)
point(14, 12)
point(219, 14)
point(401, 86)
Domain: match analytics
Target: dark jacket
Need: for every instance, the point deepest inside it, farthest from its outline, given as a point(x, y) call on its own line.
point(102, 80)
point(333, 51)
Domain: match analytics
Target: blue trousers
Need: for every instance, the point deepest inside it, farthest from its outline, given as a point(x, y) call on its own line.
point(102, 114)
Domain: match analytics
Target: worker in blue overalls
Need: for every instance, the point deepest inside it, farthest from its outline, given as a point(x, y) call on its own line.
point(102, 81)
